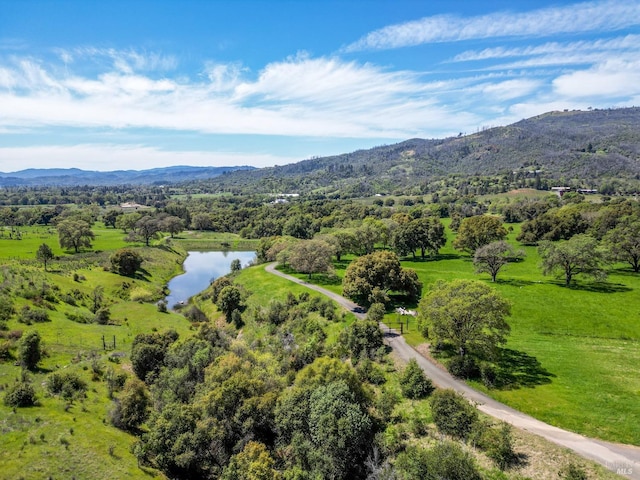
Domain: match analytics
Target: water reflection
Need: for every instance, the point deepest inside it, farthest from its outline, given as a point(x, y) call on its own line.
point(200, 269)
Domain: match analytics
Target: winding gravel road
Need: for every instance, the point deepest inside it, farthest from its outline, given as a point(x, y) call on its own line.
point(623, 459)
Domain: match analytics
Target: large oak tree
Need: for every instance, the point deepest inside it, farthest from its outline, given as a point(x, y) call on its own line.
point(466, 313)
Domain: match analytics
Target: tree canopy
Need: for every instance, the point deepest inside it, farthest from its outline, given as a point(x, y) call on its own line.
point(468, 314)
point(477, 231)
point(75, 234)
point(490, 258)
point(379, 270)
point(579, 255)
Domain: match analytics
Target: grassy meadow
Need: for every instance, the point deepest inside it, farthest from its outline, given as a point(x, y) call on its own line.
point(58, 438)
point(73, 439)
point(574, 352)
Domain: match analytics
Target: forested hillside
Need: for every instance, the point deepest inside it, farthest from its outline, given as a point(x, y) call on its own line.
point(589, 149)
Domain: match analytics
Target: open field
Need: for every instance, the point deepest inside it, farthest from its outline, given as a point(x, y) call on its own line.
point(575, 351)
point(202, 241)
point(59, 438)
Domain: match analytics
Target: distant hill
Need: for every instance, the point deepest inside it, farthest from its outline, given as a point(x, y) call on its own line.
point(581, 147)
point(75, 176)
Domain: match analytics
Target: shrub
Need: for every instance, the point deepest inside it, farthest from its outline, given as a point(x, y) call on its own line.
point(446, 460)
point(573, 472)
point(498, 445)
point(140, 294)
point(30, 350)
point(6, 308)
point(413, 382)
point(488, 375)
point(362, 338)
point(376, 312)
point(463, 367)
point(126, 262)
point(452, 414)
point(132, 407)
point(370, 372)
point(194, 314)
point(69, 385)
point(5, 351)
point(102, 316)
point(20, 394)
point(79, 316)
point(29, 316)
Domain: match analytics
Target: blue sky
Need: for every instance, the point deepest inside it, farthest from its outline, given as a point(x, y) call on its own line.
point(106, 85)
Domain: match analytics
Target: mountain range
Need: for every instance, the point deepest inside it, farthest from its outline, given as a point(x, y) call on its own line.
point(581, 147)
point(76, 176)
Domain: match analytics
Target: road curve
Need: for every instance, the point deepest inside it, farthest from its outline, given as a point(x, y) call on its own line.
point(623, 459)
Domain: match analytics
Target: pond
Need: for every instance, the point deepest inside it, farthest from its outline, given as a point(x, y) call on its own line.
point(200, 269)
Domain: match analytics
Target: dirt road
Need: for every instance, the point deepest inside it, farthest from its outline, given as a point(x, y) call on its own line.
point(623, 459)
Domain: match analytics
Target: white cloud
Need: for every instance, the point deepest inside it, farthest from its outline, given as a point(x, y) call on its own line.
point(510, 89)
point(300, 96)
point(581, 17)
point(628, 42)
point(125, 157)
point(611, 79)
point(125, 61)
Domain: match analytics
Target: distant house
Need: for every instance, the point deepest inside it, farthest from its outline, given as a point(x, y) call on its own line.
point(560, 191)
point(130, 206)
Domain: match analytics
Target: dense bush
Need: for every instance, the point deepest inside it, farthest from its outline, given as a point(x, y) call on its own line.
point(21, 394)
point(452, 414)
point(463, 367)
point(131, 408)
point(413, 382)
point(446, 460)
point(68, 385)
point(126, 262)
point(29, 316)
point(30, 350)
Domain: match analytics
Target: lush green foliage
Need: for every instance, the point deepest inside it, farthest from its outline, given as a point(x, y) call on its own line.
point(577, 256)
point(30, 350)
point(382, 271)
point(75, 234)
point(126, 262)
point(478, 230)
point(452, 414)
point(413, 382)
point(469, 314)
point(20, 394)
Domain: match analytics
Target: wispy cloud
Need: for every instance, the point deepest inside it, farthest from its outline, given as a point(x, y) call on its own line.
point(627, 42)
point(300, 96)
point(126, 61)
point(583, 17)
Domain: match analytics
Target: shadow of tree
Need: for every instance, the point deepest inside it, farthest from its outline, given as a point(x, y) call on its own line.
point(514, 282)
point(322, 279)
point(432, 258)
point(597, 287)
point(518, 369)
point(142, 274)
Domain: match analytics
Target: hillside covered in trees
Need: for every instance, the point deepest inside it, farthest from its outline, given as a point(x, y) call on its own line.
point(588, 149)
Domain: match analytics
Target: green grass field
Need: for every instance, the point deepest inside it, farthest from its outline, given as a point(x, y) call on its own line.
point(575, 351)
point(59, 439)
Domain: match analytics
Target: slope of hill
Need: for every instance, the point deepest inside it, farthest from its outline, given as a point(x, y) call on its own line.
point(580, 147)
point(75, 176)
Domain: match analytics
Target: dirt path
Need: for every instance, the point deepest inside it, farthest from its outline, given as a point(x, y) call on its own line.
point(623, 459)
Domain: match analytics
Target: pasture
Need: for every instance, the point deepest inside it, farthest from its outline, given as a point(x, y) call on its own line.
point(68, 439)
point(574, 352)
